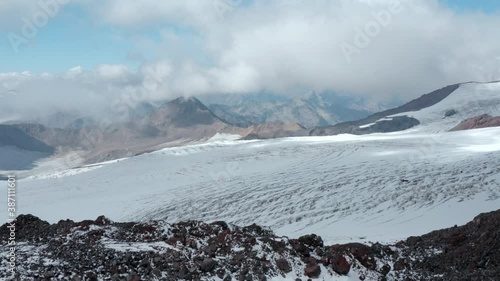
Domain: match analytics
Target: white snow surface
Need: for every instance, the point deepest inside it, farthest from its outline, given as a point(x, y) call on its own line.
point(378, 187)
point(371, 124)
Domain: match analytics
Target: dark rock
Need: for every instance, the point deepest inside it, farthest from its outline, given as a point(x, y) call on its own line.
point(456, 240)
point(450, 112)
point(91, 276)
point(221, 239)
point(252, 241)
point(363, 253)
point(469, 252)
point(283, 265)
point(220, 273)
point(340, 264)
point(222, 224)
point(312, 240)
point(385, 269)
point(102, 220)
point(210, 249)
point(208, 265)
point(258, 230)
point(134, 278)
point(399, 265)
point(300, 248)
point(184, 273)
point(312, 270)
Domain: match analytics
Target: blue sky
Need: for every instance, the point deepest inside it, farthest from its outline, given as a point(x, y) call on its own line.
point(70, 39)
point(74, 37)
point(487, 6)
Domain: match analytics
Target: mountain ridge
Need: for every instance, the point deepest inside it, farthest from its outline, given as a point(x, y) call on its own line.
point(187, 120)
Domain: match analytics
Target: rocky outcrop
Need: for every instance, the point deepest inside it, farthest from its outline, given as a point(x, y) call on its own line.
point(104, 250)
point(340, 264)
point(469, 252)
point(384, 125)
point(274, 130)
point(450, 113)
point(481, 121)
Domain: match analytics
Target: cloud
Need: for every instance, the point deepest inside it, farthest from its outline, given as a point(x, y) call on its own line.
point(397, 49)
point(12, 12)
point(196, 13)
point(285, 45)
point(113, 71)
point(85, 92)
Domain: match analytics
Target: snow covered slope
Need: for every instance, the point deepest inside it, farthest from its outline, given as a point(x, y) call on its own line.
point(376, 187)
point(469, 100)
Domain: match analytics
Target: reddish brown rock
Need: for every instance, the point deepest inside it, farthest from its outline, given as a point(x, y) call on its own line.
point(221, 239)
point(312, 270)
point(340, 264)
point(481, 121)
point(283, 265)
point(134, 278)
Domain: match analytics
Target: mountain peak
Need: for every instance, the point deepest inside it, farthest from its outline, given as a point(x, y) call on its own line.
point(185, 112)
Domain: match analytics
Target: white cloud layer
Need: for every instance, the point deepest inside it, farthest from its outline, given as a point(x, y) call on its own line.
point(394, 48)
point(284, 45)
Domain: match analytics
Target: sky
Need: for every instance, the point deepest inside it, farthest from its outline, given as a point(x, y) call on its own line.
point(70, 53)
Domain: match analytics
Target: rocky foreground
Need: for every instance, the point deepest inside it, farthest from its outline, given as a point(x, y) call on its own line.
point(105, 250)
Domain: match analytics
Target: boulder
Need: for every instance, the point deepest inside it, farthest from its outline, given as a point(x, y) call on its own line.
point(481, 121)
point(340, 264)
point(312, 270)
point(283, 265)
point(312, 240)
point(208, 264)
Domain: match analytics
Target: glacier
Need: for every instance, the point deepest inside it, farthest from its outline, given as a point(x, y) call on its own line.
point(379, 187)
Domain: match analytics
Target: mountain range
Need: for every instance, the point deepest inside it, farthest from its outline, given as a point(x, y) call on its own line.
point(188, 120)
point(311, 110)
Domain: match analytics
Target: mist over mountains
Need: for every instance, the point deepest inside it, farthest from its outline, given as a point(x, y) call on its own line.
point(310, 110)
point(152, 126)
